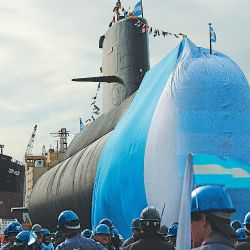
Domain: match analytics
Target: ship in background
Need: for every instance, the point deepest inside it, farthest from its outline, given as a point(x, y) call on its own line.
point(12, 176)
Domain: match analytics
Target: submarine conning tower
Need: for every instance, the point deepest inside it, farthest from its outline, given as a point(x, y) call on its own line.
point(125, 55)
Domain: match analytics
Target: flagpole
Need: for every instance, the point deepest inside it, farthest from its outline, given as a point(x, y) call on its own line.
point(210, 42)
point(141, 8)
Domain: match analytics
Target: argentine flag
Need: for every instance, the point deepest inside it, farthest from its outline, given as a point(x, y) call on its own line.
point(81, 125)
point(210, 169)
point(138, 9)
point(212, 34)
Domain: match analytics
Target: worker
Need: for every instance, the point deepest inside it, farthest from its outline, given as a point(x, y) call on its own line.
point(103, 236)
point(87, 233)
point(240, 235)
point(246, 243)
point(235, 224)
point(116, 243)
point(172, 233)
point(47, 239)
point(163, 232)
point(24, 240)
point(38, 244)
point(12, 230)
point(211, 210)
point(58, 239)
point(150, 222)
point(135, 227)
point(69, 224)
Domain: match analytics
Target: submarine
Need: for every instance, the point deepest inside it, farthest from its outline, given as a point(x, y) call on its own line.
point(134, 154)
point(69, 185)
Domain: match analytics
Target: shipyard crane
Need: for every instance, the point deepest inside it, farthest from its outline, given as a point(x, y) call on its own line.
point(31, 142)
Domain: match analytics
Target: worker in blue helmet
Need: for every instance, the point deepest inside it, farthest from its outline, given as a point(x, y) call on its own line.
point(135, 228)
point(47, 239)
point(69, 224)
point(116, 243)
point(246, 243)
point(87, 233)
point(24, 240)
point(211, 210)
point(240, 235)
point(172, 233)
point(150, 221)
point(103, 236)
point(163, 232)
point(12, 230)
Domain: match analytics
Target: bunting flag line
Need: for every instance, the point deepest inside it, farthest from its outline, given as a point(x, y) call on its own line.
point(156, 32)
point(95, 108)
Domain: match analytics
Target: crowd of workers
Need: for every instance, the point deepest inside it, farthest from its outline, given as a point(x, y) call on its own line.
point(211, 228)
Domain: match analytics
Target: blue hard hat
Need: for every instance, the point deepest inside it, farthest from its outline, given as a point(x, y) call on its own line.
point(163, 229)
point(115, 233)
point(135, 223)
point(240, 234)
point(107, 222)
point(26, 237)
point(211, 198)
point(247, 219)
point(15, 227)
point(87, 233)
point(66, 217)
point(45, 231)
point(172, 231)
point(102, 229)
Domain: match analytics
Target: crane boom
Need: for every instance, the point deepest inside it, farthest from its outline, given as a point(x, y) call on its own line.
point(31, 142)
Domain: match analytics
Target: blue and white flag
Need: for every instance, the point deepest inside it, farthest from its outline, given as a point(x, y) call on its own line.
point(212, 34)
point(184, 229)
point(81, 125)
point(210, 169)
point(138, 9)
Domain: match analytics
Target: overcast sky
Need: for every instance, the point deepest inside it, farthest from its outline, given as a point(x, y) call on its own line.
point(46, 43)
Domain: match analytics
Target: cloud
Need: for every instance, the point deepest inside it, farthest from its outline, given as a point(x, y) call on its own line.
point(44, 44)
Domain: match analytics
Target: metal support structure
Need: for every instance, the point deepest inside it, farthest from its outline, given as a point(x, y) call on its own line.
point(31, 142)
point(62, 134)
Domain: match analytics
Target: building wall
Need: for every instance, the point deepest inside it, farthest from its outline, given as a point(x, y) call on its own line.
point(7, 201)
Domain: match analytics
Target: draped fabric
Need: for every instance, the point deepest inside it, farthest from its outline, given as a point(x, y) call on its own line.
point(191, 102)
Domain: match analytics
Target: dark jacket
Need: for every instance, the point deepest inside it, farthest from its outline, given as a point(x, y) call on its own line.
point(216, 242)
point(130, 241)
point(150, 241)
point(244, 245)
point(80, 243)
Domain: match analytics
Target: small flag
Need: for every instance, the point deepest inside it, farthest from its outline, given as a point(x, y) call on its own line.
point(212, 34)
point(138, 9)
point(81, 125)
